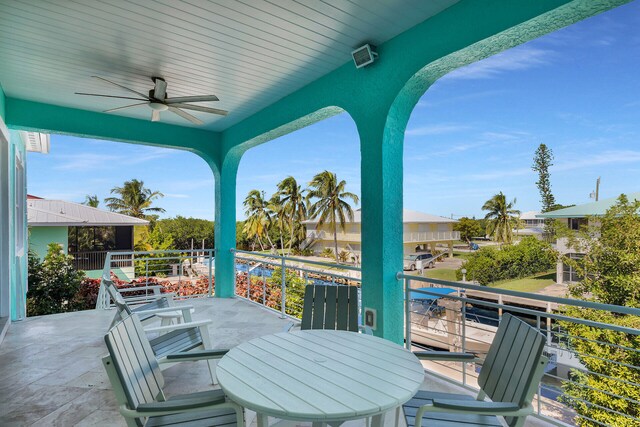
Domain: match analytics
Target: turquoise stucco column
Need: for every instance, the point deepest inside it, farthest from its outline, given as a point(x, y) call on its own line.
point(225, 225)
point(381, 142)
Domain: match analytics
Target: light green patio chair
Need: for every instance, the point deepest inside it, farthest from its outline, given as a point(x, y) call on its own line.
point(147, 312)
point(509, 377)
point(177, 342)
point(331, 307)
point(137, 382)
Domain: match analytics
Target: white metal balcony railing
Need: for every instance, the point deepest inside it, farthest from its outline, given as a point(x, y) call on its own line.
point(431, 236)
point(464, 318)
point(187, 273)
point(408, 237)
point(255, 281)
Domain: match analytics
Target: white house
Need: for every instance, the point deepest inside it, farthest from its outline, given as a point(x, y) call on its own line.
point(531, 225)
point(421, 232)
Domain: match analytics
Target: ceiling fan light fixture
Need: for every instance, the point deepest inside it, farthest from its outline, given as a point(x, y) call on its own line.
point(158, 106)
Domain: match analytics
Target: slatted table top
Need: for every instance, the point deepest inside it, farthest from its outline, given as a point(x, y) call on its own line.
point(320, 375)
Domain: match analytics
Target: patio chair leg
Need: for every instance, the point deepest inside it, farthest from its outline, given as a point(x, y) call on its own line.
point(398, 409)
point(377, 420)
point(212, 371)
point(263, 420)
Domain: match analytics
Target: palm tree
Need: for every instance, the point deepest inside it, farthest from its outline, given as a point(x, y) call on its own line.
point(501, 217)
point(277, 209)
point(292, 198)
point(92, 201)
point(330, 207)
point(135, 200)
point(258, 216)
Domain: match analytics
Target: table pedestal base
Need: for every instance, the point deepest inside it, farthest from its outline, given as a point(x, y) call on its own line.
point(263, 421)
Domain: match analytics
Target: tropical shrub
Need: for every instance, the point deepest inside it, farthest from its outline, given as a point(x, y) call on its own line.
point(609, 392)
point(294, 297)
point(301, 252)
point(327, 253)
point(343, 256)
point(155, 240)
point(491, 264)
point(53, 283)
point(469, 228)
point(187, 231)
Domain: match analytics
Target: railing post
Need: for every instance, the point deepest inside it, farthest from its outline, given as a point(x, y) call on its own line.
point(210, 273)
point(264, 289)
point(407, 313)
point(284, 289)
point(249, 282)
point(464, 340)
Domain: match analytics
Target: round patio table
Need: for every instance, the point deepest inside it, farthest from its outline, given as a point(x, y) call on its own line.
point(320, 376)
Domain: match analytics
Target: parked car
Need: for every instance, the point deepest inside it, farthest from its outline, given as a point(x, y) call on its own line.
point(419, 261)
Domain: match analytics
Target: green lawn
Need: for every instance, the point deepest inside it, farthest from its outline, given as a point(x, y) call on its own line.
point(438, 273)
point(528, 284)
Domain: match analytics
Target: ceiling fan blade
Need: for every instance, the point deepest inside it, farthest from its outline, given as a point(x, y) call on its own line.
point(200, 98)
point(186, 115)
point(123, 87)
point(109, 96)
point(155, 116)
point(203, 109)
point(126, 106)
point(160, 89)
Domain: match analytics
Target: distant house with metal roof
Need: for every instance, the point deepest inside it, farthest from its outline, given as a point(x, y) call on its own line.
point(576, 217)
point(82, 231)
point(531, 225)
point(421, 232)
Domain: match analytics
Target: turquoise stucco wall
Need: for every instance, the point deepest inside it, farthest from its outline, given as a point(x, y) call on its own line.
point(41, 237)
point(2, 101)
point(379, 99)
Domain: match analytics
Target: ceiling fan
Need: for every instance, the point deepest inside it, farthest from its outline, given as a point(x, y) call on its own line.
point(158, 101)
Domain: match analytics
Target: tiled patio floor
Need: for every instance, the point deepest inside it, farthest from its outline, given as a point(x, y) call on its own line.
point(51, 373)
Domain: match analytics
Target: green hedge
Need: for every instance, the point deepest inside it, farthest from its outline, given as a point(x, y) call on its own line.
point(492, 264)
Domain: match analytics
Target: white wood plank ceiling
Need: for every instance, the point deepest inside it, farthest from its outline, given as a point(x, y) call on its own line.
point(249, 53)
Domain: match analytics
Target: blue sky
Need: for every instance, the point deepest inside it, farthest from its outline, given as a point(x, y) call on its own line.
point(472, 134)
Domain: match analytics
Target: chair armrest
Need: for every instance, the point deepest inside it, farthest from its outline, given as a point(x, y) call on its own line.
point(178, 405)
point(476, 406)
point(170, 328)
point(197, 355)
point(140, 288)
point(164, 310)
point(445, 355)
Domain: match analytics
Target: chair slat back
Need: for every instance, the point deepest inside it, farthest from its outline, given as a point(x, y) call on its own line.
point(330, 307)
point(134, 362)
point(513, 362)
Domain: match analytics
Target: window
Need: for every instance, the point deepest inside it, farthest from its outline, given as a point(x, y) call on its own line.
point(577, 223)
point(569, 273)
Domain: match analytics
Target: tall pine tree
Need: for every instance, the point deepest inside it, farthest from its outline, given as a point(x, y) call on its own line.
point(542, 161)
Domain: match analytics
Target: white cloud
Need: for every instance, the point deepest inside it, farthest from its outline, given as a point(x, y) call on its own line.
point(86, 161)
point(516, 59)
point(604, 158)
point(498, 174)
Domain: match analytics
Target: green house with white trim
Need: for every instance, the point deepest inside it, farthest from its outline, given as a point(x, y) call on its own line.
point(82, 231)
point(576, 217)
